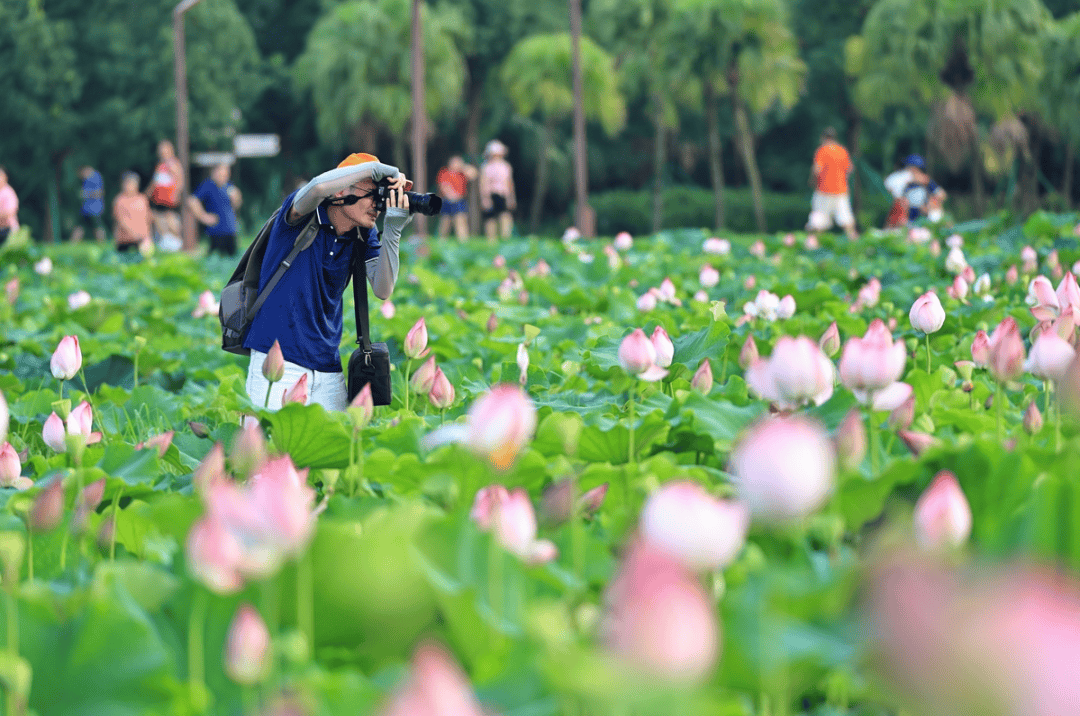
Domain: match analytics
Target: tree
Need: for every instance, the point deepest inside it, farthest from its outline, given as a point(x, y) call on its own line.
point(536, 76)
point(357, 67)
point(1060, 94)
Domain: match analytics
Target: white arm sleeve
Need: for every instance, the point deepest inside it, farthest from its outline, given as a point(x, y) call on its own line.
point(329, 183)
point(383, 271)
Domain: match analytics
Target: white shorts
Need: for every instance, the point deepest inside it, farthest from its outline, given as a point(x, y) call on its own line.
point(326, 389)
point(828, 208)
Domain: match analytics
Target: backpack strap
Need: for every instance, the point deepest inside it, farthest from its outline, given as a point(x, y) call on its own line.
point(304, 240)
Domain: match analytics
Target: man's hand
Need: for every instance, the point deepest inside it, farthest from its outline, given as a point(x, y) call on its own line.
point(396, 197)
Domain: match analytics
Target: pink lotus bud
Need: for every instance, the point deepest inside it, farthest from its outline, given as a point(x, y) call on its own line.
point(485, 502)
point(514, 526)
point(748, 354)
point(1033, 419)
point(10, 465)
point(1012, 275)
point(80, 422)
point(48, 507)
point(916, 442)
point(647, 301)
point(701, 532)
point(872, 362)
point(638, 356)
point(161, 442)
point(388, 309)
point(43, 267)
point(442, 392)
point(935, 248)
point(207, 305)
point(435, 686)
point(665, 349)
point(980, 349)
point(523, 363)
point(492, 323)
point(210, 470)
point(501, 423)
point(557, 501)
point(757, 249)
point(78, 299)
point(659, 619)
point(54, 434)
point(247, 647)
point(590, 502)
point(968, 274)
point(1006, 351)
point(424, 377)
point(273, 367)
point(11, 291)
point(199, 429)
point(1050, 357)
point(623, 241)
point(66, 359)
point(829, 343)
point(1068, 292)
point(716, 245)
point(708, 276)
point(784, 468)
point(571, 235)
point(926, 313)
point(416, 340)
point(362, 407)
point(214, 556)
point(749, 282)
point(1042, 298)
point(667, 290)
point(1052, 259)
point(499, 261)
point(955, 261)
point(249, 450)
point(959, 288)
point(789, 239)
point(812, 243)
point(903, 414)
point(296, 394)
point(851, 440)
point(93, 494)
point(942, 514)
point(982, 285)
point(703, 378)
point(786, 309)
point(954, 241)
point(796, 373)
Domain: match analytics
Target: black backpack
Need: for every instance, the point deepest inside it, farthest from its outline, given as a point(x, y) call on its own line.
point(241, 299)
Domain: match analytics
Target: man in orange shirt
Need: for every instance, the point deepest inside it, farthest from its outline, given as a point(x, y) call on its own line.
point(829, 177)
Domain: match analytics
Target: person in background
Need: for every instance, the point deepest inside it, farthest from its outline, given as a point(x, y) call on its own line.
point(164, 195)
point(497, 191)
point(132, 227)
point(93, 206)
point(829, 177)
point(214, 204)
point(895, 184)
point(453, 181)
point(9, 208)
point(923, 195)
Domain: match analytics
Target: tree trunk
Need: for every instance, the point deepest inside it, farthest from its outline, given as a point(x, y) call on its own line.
point(585, 219)
point(419, 115)
point(1031, 185)
point(855, 142)
point(1066, 185)
point(472, 153)
point(540, 188)
point(977, 189)
point(400, 160)
point(716, 155)
point(659, 165)
point(746, 145)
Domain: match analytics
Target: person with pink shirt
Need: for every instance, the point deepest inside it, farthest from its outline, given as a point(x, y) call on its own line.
point(131, 214)
point(497, 191)
point(9, 208)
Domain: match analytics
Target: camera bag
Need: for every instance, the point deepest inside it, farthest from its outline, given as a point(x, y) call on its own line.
point(241, 299)
point(370, 363)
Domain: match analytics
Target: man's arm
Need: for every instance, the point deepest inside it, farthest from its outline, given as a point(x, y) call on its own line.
point(329, 183)
point(235, 197)
point(385, 271)
point(200, 211)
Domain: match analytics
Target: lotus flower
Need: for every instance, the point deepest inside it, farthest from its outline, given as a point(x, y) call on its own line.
point(207, 305)
point(66, 359)
point(514, 525)
point(926, 313)
point(48, 508)
point(647, 301)
point(435, 686)
point(959, 289)
point(249, 451)
point(784, 468)
point(388, 309)
point(872, 362)
point(416, 340)
point(1033, 419)
point(442, 391)
point(829, 343)
point(623, 241)
point(4, 418)
point(485, 502)
point(78, 299)
point(851, 440)
point(665, 350)
point(424, 377)
point(915, 441)
point(571, 235)
point(213, 556)
point(716, 245)
point(10, 466)
point(54, 434)
point(1043, 299)
point(1006, 351)
point(796, 373)
point(748, 354)
point(638, 357)
point(11, 291)
point(161, 442)
point(785, 309)
point(708, 276)
point(942, 514)
point(523, 363)
point(210, 470)
point(980, 349)
point(80, 422)
point(1050, 356)
point(955, 261)
point(667, 291)
point(703, 533)
point(247, 647)
point(703, 378)
point(296, 394)
point(273, 367)
point(982, 286)
point(43, 267)
point(500, 424)
point(362, 407)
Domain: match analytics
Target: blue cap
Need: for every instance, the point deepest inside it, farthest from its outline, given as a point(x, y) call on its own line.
point(915, 160)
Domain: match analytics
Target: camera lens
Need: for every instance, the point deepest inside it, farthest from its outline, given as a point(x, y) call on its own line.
point(427, 204)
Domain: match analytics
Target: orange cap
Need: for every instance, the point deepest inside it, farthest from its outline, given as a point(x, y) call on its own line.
point(357, 158)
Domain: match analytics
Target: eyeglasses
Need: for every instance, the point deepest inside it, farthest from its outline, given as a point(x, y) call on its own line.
point(350, 199)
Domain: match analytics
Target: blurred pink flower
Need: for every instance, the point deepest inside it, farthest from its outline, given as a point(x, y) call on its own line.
point(47, 510)
point(703, 378)
point(916, 442)
point(1006, 351)
point(499, 261)
point(500, 424)
point(757, 249)
point(667, 291)
point(249, 449)
point(297, 394)
point(647, 301)
point(872, 362)
point(54, 434)
point(700, 296)
point(1050, 356)
point(623, 241)
point(10, 465)
point(43, 267)
point(213, 556)
point(665, 349)
point(435, 686)
point(80, 422)
point(708, 276)
point(980, 349)
point(851, 440)
point(955, 262)
point(942, 514)
point(416, 340)
point(210, 470)
point(388, 309)
point(1012, 275)
point(492, 323)
point(959, 289)
point(903, 414)
point(829, 343)
point(700, 531)
point(1030, 260)
point(786, 308)
point(812, 243)
point(514, 525)
point(248, 653)
point(161, 442)
point(789, 239)
point(78, 299)
point(207, 305)
point(968, 274)
point(424, 377)
point(716, 245)
point(362, 407)
point(11, 291)
point(637, 354)
point(485, 502)
point(796, 373)
point(442, 391)
point(1043, 299)
point(748, 354)
point(1033, 419)
point(784, 468)
point(571, 235)
point(749, 282)
point(67, 359)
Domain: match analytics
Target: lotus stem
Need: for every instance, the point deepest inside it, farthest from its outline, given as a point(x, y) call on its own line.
point(12, 603)
point(408, 364)
point(630, 455)
point(998, 400)
point(305, 599)
point(928, 353)
point(197, 650)
point(266, 401)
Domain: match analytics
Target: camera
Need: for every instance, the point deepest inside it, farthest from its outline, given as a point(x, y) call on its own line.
point(428, 204)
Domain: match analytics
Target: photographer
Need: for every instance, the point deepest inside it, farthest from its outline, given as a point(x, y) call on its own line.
point(304, 311)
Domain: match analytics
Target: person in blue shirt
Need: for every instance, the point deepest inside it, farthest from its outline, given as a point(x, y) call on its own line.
point(214, 204)
point(923, 195)
point(303, 313)
point(93, 206)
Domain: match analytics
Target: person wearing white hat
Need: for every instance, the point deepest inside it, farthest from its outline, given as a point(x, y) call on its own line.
point(497, 191)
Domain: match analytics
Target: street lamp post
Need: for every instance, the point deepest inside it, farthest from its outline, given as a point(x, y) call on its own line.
point(585, 220)
point(187, 221)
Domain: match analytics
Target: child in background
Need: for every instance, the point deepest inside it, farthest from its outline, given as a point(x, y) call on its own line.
point(131, 213)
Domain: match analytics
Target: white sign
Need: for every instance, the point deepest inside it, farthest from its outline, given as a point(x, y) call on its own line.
point(212, 159)
point(256, 145)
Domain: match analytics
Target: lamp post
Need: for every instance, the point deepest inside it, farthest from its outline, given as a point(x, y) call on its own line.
point(585, 219)
point(187, 221)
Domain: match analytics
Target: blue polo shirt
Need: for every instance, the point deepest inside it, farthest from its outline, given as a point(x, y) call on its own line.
point(215, 199)
point(93, 191)
point(304, 311)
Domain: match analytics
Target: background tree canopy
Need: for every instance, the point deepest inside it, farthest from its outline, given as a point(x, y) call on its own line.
point(701, 96)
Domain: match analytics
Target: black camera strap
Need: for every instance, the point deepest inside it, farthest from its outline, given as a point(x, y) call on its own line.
point(360, 300)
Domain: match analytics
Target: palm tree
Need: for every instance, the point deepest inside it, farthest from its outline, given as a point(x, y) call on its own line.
point(357, 64)
point(537, 78)
point(1061, 90)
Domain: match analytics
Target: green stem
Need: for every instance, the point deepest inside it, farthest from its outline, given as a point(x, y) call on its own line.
point(928, 353)
point(305, 599)
point(86, 389)
point(135, 375)
point(875, 444)
point(723, 369)
point(1057, 422)
point(197, 651)
point(266, 401)
point(112, 537)
point(13, 643)
point(630, 456)
point(998, 400)
point(408, 364)
point(30, 553)
point(63, 549)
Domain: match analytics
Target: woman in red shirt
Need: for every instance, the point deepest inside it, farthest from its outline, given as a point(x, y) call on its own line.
point(164, 194)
